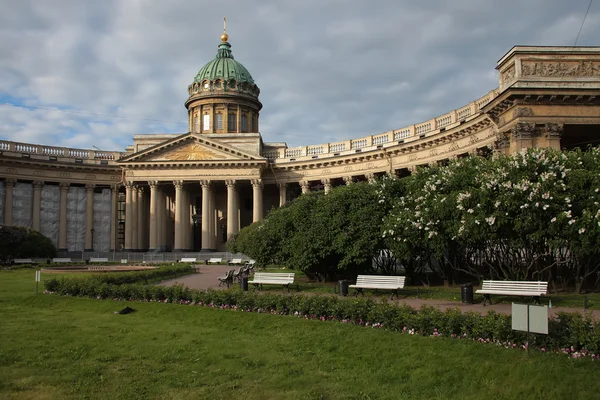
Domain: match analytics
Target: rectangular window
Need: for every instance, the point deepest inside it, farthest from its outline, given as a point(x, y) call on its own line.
point(244, 123)
point(232, 122)
point(196, 123)
point(206, 123)
point(219, 121)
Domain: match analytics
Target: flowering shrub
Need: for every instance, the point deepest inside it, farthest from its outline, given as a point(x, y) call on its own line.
point(574, 334)
point(528, 216)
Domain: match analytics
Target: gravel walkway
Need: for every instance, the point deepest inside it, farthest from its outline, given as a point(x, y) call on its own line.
point(208, 274)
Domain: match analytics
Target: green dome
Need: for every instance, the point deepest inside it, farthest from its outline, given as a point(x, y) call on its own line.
point(224, 67)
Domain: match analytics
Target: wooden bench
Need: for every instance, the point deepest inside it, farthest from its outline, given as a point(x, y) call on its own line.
point(98, 259)
point(273, 278)
point(61, 260)
point(235, 261)
point(188, 259)
point(23, 261)
point(393, 283)
point(534, 289)
point(214, 260)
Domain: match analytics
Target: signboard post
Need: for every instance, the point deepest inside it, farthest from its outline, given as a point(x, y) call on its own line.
point(37, 280)
point(530, 318)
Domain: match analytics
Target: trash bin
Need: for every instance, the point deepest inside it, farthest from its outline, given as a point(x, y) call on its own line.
point(343, 287)
point(244, 283)
point(466, 291)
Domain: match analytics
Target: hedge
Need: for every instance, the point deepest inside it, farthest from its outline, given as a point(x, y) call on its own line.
point(571, 333)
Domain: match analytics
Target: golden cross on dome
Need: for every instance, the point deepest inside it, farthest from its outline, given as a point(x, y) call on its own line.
point(224, 36)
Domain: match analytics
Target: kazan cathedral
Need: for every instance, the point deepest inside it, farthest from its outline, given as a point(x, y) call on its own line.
point(191, 191)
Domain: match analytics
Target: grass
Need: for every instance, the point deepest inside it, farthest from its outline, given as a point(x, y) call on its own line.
point(56, 347)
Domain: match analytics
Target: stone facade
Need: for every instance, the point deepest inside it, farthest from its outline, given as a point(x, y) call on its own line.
point(194, 190)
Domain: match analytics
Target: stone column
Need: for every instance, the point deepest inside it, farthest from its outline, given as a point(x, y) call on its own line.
point(9, 187)
point(282, 194)
point(114, 205)
point(305, 185)
point(522, 136)
point(238, 116)
point(160, 220)
point(179, 246)
point(552, 134)
point(232, 209)
point(257, 194)
point(134, 217)
point(89, 216)
point(37, 205)
point(326, 184)
point(207, 216)
point(141, 221)
point(153, 218)
point(129, 188)
point(348, 180)
point(226, 118)
point(62, 225)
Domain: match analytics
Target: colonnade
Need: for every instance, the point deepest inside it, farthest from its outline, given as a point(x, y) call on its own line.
point(37, 186)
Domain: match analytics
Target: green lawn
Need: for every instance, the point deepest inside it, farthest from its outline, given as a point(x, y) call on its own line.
point(62, 347)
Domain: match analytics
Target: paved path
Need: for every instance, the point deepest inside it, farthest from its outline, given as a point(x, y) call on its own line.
point(207, 278)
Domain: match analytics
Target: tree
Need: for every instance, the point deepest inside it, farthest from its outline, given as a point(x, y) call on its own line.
point(19, 242)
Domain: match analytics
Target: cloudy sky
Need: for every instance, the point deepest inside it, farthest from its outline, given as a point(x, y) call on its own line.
point(328, 69)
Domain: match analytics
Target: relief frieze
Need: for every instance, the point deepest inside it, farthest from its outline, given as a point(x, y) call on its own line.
point(568, 68)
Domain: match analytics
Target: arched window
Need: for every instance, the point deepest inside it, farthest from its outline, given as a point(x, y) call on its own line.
point(232, 122)
point(244, 123)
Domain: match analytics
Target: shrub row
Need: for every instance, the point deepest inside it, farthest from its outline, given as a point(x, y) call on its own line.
point(86, 285)
point(574, 334)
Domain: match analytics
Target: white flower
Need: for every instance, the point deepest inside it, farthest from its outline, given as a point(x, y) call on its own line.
point(582, 231)
point(571, 222)
point(491, 220)
point(545, 207)
point(553, 219)
point(470, 211)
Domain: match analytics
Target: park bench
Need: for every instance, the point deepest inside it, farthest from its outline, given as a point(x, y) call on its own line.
point(226, 279)
point(23, 261)
point(534, 289)
point(235, 261)
point(98, 259)
point(61, 260)
point(393, 283)
point(214, 260)
point(188, 259)
point(102, 268)
point(273, 278)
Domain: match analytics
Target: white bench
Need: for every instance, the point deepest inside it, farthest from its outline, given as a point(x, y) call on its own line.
point(188, 259)
point(98, 259)
point(23, 261)
point(236, 261)
point(61, 260)
point(393, 283)
point(534, 289)
point(273, 278)
point(102, 268)
point(214, 260)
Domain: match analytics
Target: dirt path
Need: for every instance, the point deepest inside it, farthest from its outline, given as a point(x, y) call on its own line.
point(208, 278)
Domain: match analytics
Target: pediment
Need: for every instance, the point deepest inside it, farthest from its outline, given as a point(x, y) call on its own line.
point(190, 148)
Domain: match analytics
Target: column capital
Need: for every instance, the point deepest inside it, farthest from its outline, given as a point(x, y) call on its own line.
point(348, 179)
point(153, 184)
point(178, 184)
point(115, 187)
point(523, 130)
point(129, 185)
point(10, 181)
point(64, 186)
point(392, 174)
point(257, 183)
point(38, 184)
point(282, 185)
point(554, 130)
point(326, 181)
point(230, 183)
point(89, 187)
point(205, 183)
point(370, 177)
